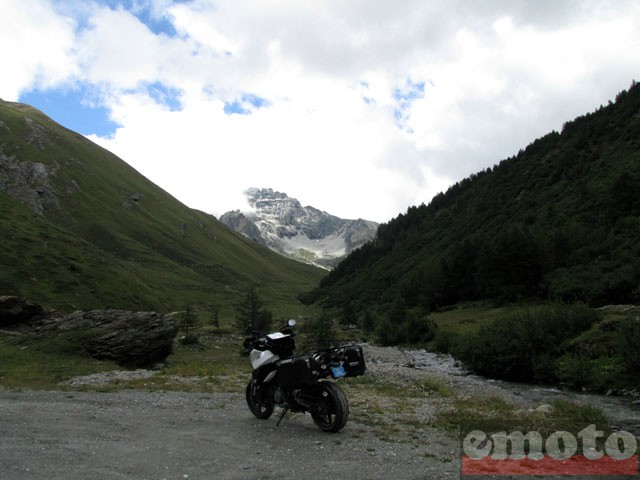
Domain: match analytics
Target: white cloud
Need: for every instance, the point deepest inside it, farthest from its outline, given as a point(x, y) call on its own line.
point(35, 47)
point(360, 108)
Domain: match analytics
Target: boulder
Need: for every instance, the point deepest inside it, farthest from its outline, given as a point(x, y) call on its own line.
point(17, 313)
point(135, 339)
point(132, 339)
point(544, 408)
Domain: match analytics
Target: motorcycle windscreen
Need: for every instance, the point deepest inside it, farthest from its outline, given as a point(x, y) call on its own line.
point(260, 325)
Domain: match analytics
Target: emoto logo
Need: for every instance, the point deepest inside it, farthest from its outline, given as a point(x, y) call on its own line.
point(561, 453)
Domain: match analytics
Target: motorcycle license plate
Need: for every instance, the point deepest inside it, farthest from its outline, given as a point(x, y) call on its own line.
point(338, 372)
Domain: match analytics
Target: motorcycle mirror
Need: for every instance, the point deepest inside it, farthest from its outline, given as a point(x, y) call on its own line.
point(291, 322)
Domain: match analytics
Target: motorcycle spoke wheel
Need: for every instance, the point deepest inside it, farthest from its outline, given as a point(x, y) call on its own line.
point(335, 408)
point(261, 405)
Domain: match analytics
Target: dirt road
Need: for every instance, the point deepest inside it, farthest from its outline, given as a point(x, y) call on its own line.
point(139, 434)
point(175, 435)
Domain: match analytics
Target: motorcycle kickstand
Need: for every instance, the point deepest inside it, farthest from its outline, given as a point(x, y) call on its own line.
point(284, 412)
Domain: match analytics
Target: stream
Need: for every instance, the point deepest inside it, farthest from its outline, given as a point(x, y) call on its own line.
point(623, 412)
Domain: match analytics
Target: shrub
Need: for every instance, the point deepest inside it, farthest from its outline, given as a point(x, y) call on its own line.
point(518, 345)
point(628, 340)
point(445, 341)
point(389, 333)
point(579, 414)
point(319, 333)
point(576, 370)
point(189, 324)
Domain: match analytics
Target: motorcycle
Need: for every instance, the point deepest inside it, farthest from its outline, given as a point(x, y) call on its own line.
point(300, 383)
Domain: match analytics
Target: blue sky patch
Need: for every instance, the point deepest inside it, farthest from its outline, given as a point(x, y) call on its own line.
point(245, 105)
point(158, 24)
point(409, 91)
point(72, 109)
point(168, 97)
point(405, 96)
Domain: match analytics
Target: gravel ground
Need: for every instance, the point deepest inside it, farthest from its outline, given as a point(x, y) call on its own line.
point(173, 435)
point(137, 434)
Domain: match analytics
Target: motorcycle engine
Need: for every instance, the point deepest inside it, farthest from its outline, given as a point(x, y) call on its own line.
point(278, 394)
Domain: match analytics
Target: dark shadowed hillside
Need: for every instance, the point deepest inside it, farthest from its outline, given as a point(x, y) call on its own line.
point(560, 220)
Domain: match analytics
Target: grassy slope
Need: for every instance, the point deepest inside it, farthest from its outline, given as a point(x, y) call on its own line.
point(100, 247)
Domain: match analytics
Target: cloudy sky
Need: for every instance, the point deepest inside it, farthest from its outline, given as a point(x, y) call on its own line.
point(357, 107)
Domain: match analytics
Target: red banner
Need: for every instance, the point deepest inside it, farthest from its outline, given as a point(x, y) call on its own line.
point(575, 465)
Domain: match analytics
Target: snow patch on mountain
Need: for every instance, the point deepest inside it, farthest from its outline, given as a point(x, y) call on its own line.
point(304, 233)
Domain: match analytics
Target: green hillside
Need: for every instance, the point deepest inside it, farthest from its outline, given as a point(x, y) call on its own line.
point(558, 221)
point(82, 229)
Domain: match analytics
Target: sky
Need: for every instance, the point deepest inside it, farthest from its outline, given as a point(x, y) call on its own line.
point(361, 108)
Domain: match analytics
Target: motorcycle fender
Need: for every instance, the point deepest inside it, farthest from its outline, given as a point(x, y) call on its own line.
point(261, 358)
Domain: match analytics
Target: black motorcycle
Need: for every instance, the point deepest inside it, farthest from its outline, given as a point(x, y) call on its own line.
point(300, 383)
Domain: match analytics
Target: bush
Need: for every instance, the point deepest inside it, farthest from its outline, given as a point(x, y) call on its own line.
point(579, 414)
point(445, 341)
point(251, 316)
point(319, 333)
point(519, 345)
point(575, 370)
point(189, 324)
point(368, 322)
point(419, 329)
point(389, 333)
point(628, 340)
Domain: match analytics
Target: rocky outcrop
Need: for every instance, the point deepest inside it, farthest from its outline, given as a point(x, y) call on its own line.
point(136, 339)
point(16, 312)
point(132, 339)
point(237, 221)
point(304, 233)
point(28, 182)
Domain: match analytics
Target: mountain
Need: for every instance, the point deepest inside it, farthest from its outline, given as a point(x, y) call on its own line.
point(560, 220)
point(303, 233)
point(81, 229)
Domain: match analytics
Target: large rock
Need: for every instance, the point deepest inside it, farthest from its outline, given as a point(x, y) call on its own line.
point(135, 339)
point(16, 312)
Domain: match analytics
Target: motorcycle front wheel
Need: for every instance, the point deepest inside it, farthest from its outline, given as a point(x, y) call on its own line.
point(334, 411)
point(260, 403)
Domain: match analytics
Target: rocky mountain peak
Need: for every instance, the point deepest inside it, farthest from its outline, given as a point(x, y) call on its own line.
point(301, 232)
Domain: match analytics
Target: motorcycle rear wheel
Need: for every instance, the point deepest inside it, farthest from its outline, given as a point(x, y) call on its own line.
point(335, 408)
point(261, 405)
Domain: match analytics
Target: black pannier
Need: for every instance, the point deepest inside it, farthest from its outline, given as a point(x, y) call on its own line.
point(350, 357)
point(354, 363)
point(295, 371)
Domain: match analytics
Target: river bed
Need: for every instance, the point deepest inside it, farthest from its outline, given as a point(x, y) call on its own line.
point(623, 411)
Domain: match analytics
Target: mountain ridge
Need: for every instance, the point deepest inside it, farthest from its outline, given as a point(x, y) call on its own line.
point(304, 233)
point(558, 221)
point(83, 229)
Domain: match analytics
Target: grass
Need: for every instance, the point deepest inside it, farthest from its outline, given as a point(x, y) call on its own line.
point(29, 366)
point(493, 414)
point(469, 411)
point(467, 318)
point(368, 384)
point(47, 363)
point(94, 248)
